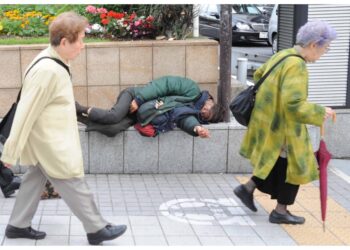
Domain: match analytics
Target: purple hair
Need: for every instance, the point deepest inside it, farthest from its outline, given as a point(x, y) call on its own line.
point(315, 31)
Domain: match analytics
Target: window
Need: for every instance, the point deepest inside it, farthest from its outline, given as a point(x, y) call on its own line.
point(245, 9)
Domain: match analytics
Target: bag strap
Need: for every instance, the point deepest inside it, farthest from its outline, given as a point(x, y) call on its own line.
point(44, 57)
point(262, 79)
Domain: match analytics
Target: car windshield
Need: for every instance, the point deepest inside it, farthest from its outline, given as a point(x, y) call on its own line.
point(245, 9)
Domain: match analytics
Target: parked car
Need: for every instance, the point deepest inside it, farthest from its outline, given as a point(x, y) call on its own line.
point(273, 27)
point(266, 9)
point(248, 22)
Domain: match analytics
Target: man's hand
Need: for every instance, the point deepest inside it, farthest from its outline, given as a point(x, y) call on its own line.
point(202, 132)
point(133, 107)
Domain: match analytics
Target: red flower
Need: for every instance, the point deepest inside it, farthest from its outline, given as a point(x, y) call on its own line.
point(119, 15)
point(103, 15)
point(105, 21)
point(111, 13)
point(132, 16)
point(150, 19)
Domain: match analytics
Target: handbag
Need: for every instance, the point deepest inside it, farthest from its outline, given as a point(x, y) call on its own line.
point(6, 122)
point(242, 105)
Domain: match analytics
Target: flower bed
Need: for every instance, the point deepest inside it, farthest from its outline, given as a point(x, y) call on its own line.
point(22, 20)
point(25, 23)
point(119, 25)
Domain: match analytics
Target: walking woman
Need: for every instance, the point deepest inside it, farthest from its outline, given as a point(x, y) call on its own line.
point(45, 137)
point(277, 141)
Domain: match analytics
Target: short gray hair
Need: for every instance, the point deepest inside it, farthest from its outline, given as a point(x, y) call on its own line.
point(315, 31)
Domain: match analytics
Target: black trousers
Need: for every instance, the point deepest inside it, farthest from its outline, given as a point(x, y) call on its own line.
point(275, 184)
point(113, 121)
point(114, 115)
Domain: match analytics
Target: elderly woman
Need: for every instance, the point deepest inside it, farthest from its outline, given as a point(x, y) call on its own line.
point(277, 141)
point(45, 137)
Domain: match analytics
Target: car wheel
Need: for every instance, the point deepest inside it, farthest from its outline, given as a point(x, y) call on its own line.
point(274, 43)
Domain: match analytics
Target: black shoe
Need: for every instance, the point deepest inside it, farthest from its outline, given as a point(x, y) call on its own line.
point(28, 233)
point(287, 218)
point(109, 232)
point(12, 187)
point(81, 110)
point(246, 198)
point(83, 119)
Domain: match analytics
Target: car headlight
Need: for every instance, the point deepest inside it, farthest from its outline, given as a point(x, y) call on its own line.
point(242, 26)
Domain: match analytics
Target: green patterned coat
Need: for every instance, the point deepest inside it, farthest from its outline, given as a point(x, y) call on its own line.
point(279, 118)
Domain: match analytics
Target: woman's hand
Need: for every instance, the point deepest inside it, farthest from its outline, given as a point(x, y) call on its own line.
point(6, 165)
point(133, 107)
point(202, 132)
point(329, 113)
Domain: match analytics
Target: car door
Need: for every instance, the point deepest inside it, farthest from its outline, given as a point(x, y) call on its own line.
point(209, 21)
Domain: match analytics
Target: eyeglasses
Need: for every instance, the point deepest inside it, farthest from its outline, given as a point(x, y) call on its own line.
point(327, 48)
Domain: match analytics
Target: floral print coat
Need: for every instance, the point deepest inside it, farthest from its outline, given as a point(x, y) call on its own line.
point(279, 119)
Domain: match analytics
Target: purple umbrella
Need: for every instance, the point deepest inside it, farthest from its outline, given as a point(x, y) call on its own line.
point(323, 156)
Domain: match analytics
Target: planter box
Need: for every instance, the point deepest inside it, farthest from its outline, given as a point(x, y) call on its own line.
point(102, 70)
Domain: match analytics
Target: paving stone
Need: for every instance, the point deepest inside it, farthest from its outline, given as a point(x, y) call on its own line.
point(53, 241)
point(215, 241)
point(54, 220)
point(77, 229)
point(55, 229)
point(78, 241)
point(148, 240)
point(183, 241)
point(247, 241)
point(18, 242)
point(149, 224)
point(205, 230)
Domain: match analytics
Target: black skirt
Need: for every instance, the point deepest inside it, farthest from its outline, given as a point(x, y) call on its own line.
point(275, 184)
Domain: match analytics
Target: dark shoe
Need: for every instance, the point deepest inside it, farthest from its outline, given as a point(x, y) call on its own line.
point(81, 110)
point(12, 187)
point(287, 218)
point(109, 232)
point(28, 233)
point(246, 198)
point(83, 119)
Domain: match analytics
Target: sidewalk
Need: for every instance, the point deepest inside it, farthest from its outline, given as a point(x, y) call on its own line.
point(194, 209)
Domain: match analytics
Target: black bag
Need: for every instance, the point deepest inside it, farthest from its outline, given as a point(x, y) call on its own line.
point(242, 105)
point(6, 175)
point(6, 122)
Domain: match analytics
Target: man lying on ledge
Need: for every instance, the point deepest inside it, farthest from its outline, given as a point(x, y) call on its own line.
point(158, 107)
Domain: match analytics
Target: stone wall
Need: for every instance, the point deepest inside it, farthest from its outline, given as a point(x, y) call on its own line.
point(172, 152)
point(102, 70)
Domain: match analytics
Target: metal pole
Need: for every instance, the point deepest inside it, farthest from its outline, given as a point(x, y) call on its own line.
point(224, 86)
point(242, 65)
point(196, 20)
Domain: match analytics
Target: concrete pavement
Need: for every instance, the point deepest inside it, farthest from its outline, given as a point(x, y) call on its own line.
point(194, 209)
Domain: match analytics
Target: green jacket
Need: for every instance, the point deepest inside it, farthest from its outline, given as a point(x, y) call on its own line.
point(173, 91)
point(279, 116)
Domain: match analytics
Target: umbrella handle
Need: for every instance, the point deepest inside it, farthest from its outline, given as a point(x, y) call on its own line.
point(334, 118)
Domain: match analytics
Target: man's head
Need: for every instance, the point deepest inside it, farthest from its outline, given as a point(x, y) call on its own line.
point(67, 32)
point(211, 111)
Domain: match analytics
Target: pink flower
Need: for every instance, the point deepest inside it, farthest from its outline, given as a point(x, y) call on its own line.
point(91, 9)
point(138, 22)
point(101, 10)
